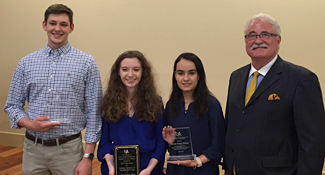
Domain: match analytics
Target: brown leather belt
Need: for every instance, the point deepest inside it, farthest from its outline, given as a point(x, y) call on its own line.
point(52, 142)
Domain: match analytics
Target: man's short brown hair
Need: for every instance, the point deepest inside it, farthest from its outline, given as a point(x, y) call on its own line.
point(58, 9)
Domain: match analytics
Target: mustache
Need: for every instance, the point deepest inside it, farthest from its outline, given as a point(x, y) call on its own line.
point(259, 46)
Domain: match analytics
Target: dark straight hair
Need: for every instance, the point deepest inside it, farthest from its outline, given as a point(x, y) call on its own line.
point(201, 92)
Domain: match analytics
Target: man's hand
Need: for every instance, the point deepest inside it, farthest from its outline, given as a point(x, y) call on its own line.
point(169, 134)
point(84, 167)
point(38, 125)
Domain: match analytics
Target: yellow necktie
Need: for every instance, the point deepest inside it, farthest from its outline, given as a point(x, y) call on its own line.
point(251, 88)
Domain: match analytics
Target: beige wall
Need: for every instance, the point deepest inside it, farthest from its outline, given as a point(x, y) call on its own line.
point(162, 29)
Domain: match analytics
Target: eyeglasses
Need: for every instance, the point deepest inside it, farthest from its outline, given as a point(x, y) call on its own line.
point(263, 36)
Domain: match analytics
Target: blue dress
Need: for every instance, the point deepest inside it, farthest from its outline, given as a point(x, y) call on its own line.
point(130, 131)
point(208, 137)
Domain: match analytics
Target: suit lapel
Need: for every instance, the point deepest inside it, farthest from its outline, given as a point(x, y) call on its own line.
point(272, 76)
point(238, 84)
point(242, 84)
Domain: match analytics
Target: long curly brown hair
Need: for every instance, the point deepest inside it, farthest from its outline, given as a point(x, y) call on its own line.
point(146, 102)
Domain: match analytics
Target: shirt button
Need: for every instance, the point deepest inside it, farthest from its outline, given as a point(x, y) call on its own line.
point(48, 105)
point(243, 111)
point(51, 76)
point(53, 63)
point(49, 89)
point(238, 130)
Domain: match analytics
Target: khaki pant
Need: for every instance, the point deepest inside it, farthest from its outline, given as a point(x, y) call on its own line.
point(51, 160)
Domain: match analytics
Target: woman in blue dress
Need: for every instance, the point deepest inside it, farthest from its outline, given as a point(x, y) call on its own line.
point(132, 112)
point(192, 105)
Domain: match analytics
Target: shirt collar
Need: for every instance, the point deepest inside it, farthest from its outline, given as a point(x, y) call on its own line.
point(60, 51)
point(263, 71)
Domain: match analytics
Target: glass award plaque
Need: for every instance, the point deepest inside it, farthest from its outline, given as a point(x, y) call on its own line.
point(127, 160)
point(58, 107)
point(181, 148)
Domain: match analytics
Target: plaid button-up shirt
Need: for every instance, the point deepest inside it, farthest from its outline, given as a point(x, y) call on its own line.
point(62, 84)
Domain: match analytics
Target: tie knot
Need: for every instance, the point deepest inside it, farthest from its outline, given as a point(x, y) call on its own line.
point(256, 74)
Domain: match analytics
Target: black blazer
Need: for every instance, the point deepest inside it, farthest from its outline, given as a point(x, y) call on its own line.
point(281, 131)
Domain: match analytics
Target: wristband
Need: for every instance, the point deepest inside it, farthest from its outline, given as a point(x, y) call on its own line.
point(199, 162)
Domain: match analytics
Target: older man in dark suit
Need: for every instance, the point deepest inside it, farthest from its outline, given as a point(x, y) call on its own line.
point(275, 112)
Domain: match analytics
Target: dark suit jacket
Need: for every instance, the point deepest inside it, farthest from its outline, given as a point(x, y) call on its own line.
point(279, 137)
